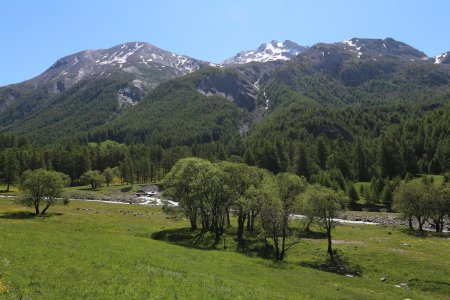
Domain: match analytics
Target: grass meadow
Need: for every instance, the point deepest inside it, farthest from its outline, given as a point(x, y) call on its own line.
point(89, 250)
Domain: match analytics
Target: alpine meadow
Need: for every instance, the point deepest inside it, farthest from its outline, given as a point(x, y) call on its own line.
point(290, 171)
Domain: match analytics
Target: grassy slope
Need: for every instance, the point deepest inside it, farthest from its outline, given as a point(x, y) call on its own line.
point(100, 251)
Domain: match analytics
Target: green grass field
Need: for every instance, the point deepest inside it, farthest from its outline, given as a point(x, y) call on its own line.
point(105, 251)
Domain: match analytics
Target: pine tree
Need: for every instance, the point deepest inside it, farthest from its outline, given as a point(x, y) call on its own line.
point(322, 154)
point(352, 194)
point(10, 167)
point(127, 171)
point(387, 196)
point(302, 163)
point(434, 167)
point(361, 160)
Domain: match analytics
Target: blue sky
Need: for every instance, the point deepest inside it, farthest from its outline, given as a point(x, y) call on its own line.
point(34, 34)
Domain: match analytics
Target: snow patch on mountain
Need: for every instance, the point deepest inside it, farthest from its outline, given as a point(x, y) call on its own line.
point(355, 47)
point(268, 52)
point(440, 59)
point(121, 58)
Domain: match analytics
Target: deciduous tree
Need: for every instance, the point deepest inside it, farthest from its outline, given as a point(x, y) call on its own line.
point(323, 205)
point(42, 187)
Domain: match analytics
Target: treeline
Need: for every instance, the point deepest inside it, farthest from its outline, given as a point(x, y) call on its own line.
point(136, 163)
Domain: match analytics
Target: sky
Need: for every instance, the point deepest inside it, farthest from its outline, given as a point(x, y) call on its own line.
point(34, 34)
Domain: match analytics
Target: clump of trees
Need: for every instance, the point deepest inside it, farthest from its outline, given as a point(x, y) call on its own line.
point(423, 202)
point(94, 178)
point(43, 188)
point(208, 192)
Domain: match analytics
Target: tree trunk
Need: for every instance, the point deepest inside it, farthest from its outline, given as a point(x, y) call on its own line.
point(437, 224)
point(227, 211)
point(45, 209)
point(36, 207)
point(410, 223)
point(240, 232)
point(330, 248)
point(283, 240)
point(277, 248)
point(217, 235)
point(420, 223)
point(193, 222)
point(7, 187)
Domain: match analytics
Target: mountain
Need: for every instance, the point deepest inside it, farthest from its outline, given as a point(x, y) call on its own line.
point(101, 83)
point(221, 103)
point(136, 58)
point(148, 65)
point(267, 52)
point(327, 90)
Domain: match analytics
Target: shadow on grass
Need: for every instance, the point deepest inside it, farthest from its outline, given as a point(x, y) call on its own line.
point(26, 215)
point(187, 238)
point(374, 207)
point(430, 282)
point(252, 246)
point(87, 189)
point(434, 286)
point(338, 265)
point(424, 233)
point(315, 235)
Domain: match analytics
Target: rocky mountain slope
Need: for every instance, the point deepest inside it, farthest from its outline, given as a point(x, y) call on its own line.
point(136, 58)
point(148, 65)
point(131, 69)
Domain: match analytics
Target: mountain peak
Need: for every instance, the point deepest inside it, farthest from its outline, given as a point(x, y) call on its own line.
point(271, 51)
point(380, 47)
point(137, 58)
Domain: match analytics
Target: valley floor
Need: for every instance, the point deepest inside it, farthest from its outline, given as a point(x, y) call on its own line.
point(90, 250)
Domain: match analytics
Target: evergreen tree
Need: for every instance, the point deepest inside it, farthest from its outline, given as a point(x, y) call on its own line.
point(434, 167)
point(322, 154)
point(9, 167)
point(387, 195)
point(390, 160)
point(249, 157)
point(352, 194)
point(127, 170)
point(302, 163)
point(361, 160)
